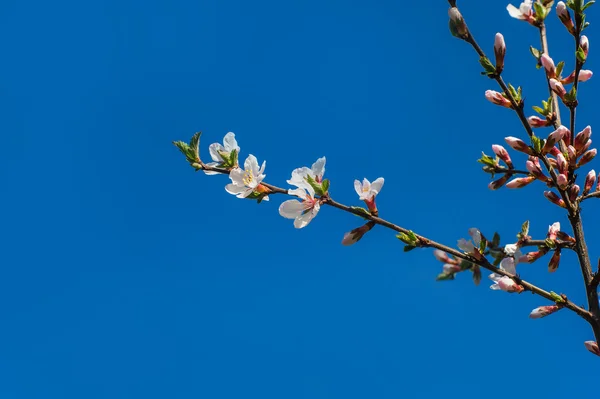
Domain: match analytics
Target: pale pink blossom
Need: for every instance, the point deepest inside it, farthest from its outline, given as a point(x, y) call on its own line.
point(518, 145)
point(553, 229)
point(548, 65)
point(504, 283)
point(558, 88)
point(499, 51)
point(524, 12)
point(582, 138)
point(543, 311)
point(536, 121)
point(590, 179)
point(584, 43)
point(301, 211)
point(520, 182)
point(502, 154)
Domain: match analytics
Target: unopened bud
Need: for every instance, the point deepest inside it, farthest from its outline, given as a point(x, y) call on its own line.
point(562, 181)
point(497, 98)
point(587, 157)
point(584, 75)
point(554, 261)
point(458, 27)
point(520, 182)
point(536, 121)
point(548, 65)
point(355, 235)
point(535, 170)
point(565, 16)
point(561, 235)
point(561, 162)
point(533, 256)
point(558, 88)
point(582, 138)
point(499, 51)
point(555, 199)
point(590, 179)
point(502, 154)
point(543, 311)
point(554, 138)
point(518, 145)
point(584, 43)
point(496, 184)
point(574, 192)
point(592, 346)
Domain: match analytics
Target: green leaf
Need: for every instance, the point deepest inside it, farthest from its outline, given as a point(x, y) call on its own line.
point(490, 69)
point(580, 55)
point(361, 210)
point(325, 185)
point(318, 187)
point(525, 228)
point(559, 68)
point(539, 110)
point(571, 96)
point(482, 244)
point(588, 4)
point(445, 277)
point(540, 11)
point(496, 240)
point(537, 143)
point(233, 158)
point(195, 144)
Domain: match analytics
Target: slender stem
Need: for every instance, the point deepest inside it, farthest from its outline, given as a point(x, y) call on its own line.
point(595, 194)
point(555, 106)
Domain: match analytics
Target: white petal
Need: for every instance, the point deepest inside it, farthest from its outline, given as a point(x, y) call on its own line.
point(377, 185)
point(230, 143)
point(366, 185)
point(305, 219)
point(210, 172)
point(251, 163)
point(237, 177)
point(234, 189)
point(514, 12)
point(318, 168)
point(298, 176)
point(245, 193)
point(214, 150)
point(495, 287)
point(291, 209)
point(262, 168)
point(298, 192)
point(525, 7)
point(508, 264)
point(358, 187)
point(265, 198)
point(510, 249)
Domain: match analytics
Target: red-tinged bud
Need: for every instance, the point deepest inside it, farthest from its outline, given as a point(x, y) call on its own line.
point(548, 65)
point(497, 98)
point(584, 43)
point(355, 235)
point(499, 51)
point(520, 182)
point(561, 162)
point(592, 346)
point(561, 235)
point(572, 154)
point(587, 157)
point(554, 151)
point(554, 261)
point(565, 16)
point(582, 138)
point(590, 179)
point(552, 163)
point(585, 147)
point(444, 258)
point(543, 311)
point(558, 88)
point(574, 192)
point(562, 181)
point(598, 184)
point(554, 138)
point(555, 199)
point(569, 79)
point(535, 170)
point(458, 27)
point(533, 256)
point(518, 145)
point(496, 184)
point(502, 154)
point(584, 75)
point(536, 121)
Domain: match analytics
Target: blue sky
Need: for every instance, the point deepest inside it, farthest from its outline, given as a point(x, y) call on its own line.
point(127, 275)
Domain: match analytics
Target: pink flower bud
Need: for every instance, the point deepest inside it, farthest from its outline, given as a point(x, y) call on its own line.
point(574, 192)
point(584, 75)
point(548, 65)
point(535, 170)
point(554, 151)
point(508, 284)
point(572, 154)
point(554, 138)
point(555, 199)
point(535, 121)
point(582, 138)
point(587, 157)
point(499, 51)
point(457, 23)
point(592, 346)
point(543, 311)
point(590, 179)
point(561, 162)
point(558, 88)
point(496, 184)
point(554, 261)
point(565, 16)
point(518, 145)
point(584, 43)
point(585, 147)
point(533, 256)
point(498, 98)
point(502, 154)
point(355, 235)
point(443, 257)
point(553, 231)
point(562, 181)
point(520, 182)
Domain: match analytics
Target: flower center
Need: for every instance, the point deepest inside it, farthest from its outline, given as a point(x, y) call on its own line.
point(248, 177)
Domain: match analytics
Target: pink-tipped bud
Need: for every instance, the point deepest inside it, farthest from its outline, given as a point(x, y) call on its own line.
point(520, 182)
point(548, 64)
point(458, 27)
point(502, 154)
point(590, 179)
point(554, 138)
point(584, 43)
point(543, 311)
point(536, 121)
point(572, 155)
point(554, 151)
point(574, 192)
point(555, 199)
point(499, 51)
point(584, 75)
point(553, 230)
point(355, 235)
point(496, 184)
point(565, 16)
point(518, 145)
point(497, 98)
point(507, 284)
point(535, 170)
point(558, 88)
point(554, 261)
point(587, 157)
point(592, 346)
point(585, 147)
point(562, 181)
point(561, 162)
point(582, 138)
point(443, 257)
point(533, 256)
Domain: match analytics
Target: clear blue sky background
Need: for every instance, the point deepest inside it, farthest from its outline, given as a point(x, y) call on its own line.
point(127, 275)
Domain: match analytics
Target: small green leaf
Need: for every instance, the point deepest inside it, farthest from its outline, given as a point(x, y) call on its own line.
point(525, 228)
point(490, 69)
point(318, 187)
point(540, 11)
point(539, 110)
point(445, 276)
point(361, 210)
point(559, 68)
point(588, 4)
point(556, 298)
point(580, 54)
point(496, 240)
point(325, 185)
